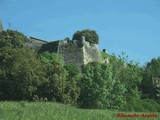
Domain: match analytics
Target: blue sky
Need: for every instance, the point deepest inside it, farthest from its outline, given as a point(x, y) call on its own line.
point(130, 26)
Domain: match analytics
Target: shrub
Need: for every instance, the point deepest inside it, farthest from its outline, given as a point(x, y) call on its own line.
point(90, 35)
point(142, 105)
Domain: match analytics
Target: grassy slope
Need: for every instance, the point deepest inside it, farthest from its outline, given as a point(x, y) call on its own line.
point(54, 111)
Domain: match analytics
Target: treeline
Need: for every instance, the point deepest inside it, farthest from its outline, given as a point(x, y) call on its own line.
point(120, 84)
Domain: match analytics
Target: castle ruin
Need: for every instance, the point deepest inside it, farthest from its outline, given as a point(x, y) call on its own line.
point(74, 52)
point(78, 52)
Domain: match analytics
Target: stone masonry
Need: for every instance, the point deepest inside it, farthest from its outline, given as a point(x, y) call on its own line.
point(73, 52)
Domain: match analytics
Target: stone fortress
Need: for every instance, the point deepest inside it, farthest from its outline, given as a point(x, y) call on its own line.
point(77, 52)
point(74, 52)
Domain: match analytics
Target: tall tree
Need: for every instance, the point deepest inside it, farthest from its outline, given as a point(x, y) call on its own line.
point(59, 86)
point(151, 80)
point(20, 73)
point(98, 87)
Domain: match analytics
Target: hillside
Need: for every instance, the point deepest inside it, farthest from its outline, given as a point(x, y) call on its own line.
point(55, 111)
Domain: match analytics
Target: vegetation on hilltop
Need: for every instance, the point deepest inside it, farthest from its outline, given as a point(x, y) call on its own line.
point(121, 84)
point(12, 39)
point(90, 35)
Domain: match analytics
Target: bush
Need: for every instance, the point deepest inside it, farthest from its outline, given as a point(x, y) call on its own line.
point(90, 35)
point(142, 105)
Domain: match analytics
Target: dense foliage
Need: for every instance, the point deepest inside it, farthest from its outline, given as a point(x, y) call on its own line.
point(150, 85)
point(90, 35)
point(20, 70)
point(12, 38)
point(59, 84)
point(99, 88)
point(20, 73)
point(121, 84)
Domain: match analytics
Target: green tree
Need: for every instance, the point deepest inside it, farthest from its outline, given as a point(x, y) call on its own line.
point(128, 73)
point(128, 76)
point(73, 70)
point(97, 87)
point(55, 77)
point(58, 85)
point(12, 38)
point(151, 80)
point(20, 70)
point(73, 77)
point(20, 73)
point(90, 35)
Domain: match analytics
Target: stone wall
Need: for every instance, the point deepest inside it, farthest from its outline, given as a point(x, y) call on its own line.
point(79, 55)
point(73, 52)
point(50, 47)
point(36, 43)
point(91, 53)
